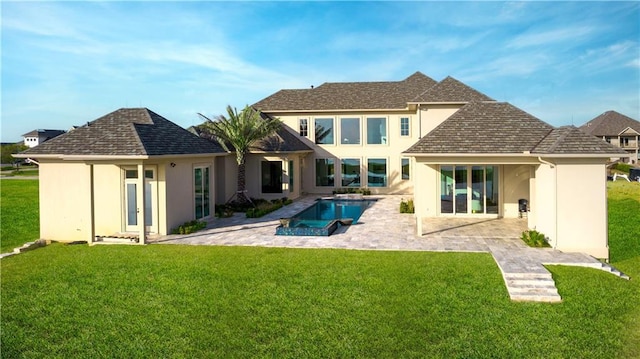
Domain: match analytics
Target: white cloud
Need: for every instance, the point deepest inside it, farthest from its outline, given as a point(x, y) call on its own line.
point(549, 37)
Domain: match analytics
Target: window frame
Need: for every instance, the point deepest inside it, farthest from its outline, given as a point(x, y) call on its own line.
point(384, 139)
point(408, 129)
point(385, 183)
point(328, 161)
point(359, 131)
point(303, 131)
point(332, 132)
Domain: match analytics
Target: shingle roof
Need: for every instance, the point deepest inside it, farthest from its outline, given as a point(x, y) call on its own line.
point(349, 95)
point(127, 132)
point(484, 127)
point(44, 133)
point(610, 123)
point(570, 140)
point(282, 141)
point(451, 90)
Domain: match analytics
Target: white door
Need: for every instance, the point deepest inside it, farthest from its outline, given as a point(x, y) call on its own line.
point(131, 201)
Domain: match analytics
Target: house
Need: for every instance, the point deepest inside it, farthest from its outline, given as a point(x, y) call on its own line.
point(456, 150)
point(36, 137)
point(130, 171)
point(617, 129)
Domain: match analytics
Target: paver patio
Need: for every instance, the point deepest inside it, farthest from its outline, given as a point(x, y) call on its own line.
point(382, 227)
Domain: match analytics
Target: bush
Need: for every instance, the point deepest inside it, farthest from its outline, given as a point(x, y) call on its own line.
point(352, 190)
point(534, 238)
point(189, 227)
point(264, 207)
point(623, 167)
point(224, 211)
point(407, 207)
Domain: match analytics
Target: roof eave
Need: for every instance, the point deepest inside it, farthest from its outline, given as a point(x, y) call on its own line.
point(338, 110)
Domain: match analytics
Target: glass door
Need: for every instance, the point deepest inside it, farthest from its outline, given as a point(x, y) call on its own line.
point(461, 193)
point(131, 200)
point(469, 190)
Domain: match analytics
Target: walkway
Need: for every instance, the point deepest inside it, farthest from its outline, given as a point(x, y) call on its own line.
point(382, 227)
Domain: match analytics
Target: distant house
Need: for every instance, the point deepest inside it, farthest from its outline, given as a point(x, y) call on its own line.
point(617, 129)
point(36, 137)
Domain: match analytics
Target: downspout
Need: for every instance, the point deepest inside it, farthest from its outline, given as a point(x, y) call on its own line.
point(92, 214)
point(419, 121)
point(555, 197)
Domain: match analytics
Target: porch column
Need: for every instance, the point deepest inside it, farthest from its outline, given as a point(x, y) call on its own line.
point(141, 202)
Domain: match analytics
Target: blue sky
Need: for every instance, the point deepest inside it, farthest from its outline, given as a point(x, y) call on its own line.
point(66, 63)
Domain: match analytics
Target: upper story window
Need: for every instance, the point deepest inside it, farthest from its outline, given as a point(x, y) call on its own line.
point(376, 131)
point(304, 127)
point(350, 131)
point(624, 141)
point(324, 131)
point(404, 126)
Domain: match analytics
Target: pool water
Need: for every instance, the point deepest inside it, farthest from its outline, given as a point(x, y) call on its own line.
point(324, 217)
point(323, 212)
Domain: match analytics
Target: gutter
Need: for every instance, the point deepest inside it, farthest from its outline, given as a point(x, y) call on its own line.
point(555, 198)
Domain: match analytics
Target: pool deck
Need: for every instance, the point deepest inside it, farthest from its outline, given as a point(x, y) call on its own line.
point(382, 227)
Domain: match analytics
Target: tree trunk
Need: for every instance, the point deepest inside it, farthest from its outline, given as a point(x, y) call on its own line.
point(242, 194)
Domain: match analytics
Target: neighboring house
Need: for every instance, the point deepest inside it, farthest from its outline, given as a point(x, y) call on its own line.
point(129, 167)
point(36, 137)
point(459, 152)
point(619, 130)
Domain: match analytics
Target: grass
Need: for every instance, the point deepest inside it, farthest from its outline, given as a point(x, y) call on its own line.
point(187, 301)
point(29, 172)
point(19, 218)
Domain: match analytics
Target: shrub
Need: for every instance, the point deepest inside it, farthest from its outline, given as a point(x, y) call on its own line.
point(623, 167)
point(534, 238)
point(264, 207)
point(407, 207)
point(351, 190)
point(189, 227)
point(224, 211)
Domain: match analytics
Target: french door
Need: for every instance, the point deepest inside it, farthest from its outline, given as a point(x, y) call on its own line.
point(466, 189)
point(131, 200)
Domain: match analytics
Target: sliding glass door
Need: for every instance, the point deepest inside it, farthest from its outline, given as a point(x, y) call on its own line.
point(468, 189)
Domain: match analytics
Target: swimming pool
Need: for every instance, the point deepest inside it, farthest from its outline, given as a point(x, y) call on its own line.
point(322, 218)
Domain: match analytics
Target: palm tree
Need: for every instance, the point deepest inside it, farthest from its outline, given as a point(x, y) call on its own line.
point(240, 131)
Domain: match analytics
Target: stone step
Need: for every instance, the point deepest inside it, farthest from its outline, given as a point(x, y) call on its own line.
point(538, 282)
point(527, 275)
point(536, 298)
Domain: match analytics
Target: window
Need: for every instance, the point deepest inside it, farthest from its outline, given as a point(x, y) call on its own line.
point(624, 141)
point(290, 176)
point(324, 131)
point(405, 168)
point(377, 172)
point(376, 131)
point(350, 131)
point(324, 172)
point(271, 175)
point(201, 191)
point(404, 126)
point(350, 172)
point(304, 127)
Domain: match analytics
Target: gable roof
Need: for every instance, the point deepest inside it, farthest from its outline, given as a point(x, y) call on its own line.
point(484, 127)
point(499, 128)
point(126, 132)
point(452, 91)
point(349, 95)
point(610, 123)
point(570, 140)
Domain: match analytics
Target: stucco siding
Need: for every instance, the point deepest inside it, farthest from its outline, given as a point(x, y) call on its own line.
point(582, 208)
point(545, 202)
point(108, 198)
point(515, 179)
point(65, 201)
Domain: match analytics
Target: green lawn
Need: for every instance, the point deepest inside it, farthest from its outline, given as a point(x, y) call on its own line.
point(19, 218)
point(190, 301)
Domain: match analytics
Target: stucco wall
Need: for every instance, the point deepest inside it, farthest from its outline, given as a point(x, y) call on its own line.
point(390, 151)
point(515, 186)
point(180, 190)
point(65, 206)
point(108, 199)
point(582, 208)
point(544, 202)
